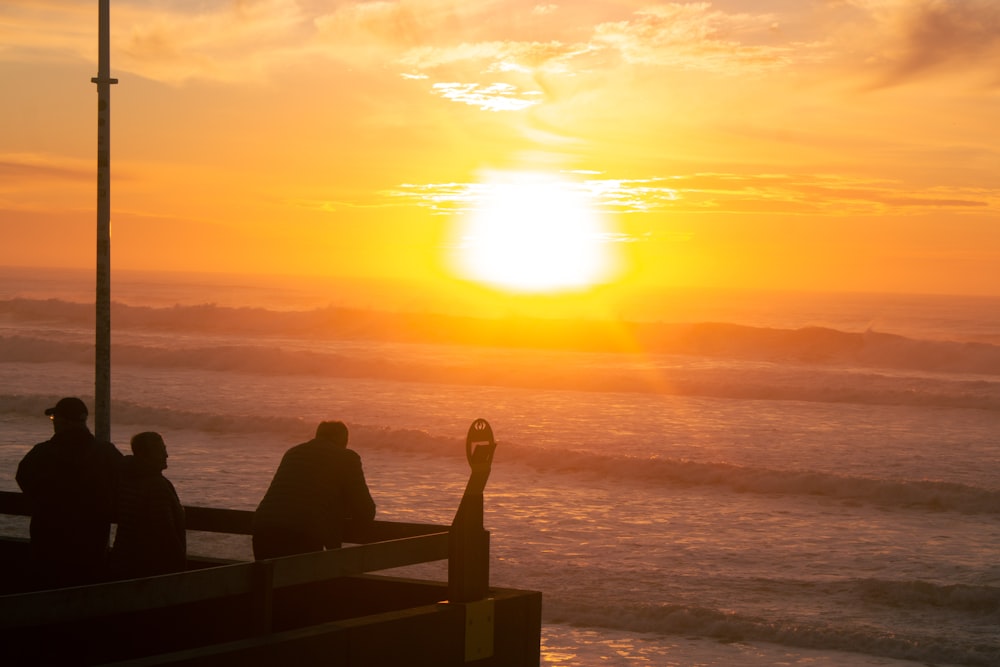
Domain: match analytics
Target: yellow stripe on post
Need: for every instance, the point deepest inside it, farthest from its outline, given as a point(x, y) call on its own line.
point(479, 629)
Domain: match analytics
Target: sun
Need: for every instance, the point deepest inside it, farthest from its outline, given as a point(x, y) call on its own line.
point(533, 233)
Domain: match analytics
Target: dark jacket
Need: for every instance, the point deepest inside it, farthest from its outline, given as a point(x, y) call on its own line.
point(316, 487)
point(70, 482)
point(150, 538)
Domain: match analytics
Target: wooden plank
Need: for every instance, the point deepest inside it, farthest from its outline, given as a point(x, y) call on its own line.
point(62, 604)
point(383, 531)
point(240, 522)
point(397, 545)
point(193, 586)
point(306, 568)
point(425, 636)
point(421, 636)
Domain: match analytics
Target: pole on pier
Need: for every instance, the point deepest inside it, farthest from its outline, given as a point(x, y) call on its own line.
point(102, 357)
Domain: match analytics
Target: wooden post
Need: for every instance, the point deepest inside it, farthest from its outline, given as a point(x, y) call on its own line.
point(102, 356)
point(262, 597)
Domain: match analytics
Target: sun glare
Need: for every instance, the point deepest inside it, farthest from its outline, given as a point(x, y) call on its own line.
point(528, 233)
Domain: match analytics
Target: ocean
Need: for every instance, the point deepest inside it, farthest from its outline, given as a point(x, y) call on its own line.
point(719, 479)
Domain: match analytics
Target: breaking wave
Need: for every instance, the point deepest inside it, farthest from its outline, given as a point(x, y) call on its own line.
point(922, 495)
point(662, 374)
point(808, 345)
point(979, 605)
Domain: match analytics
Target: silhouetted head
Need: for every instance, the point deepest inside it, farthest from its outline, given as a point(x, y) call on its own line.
point(335, 432)
point(70, 408)
point(68, 413)
point(149, 450)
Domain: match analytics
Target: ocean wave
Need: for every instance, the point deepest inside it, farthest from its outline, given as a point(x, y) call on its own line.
point(983, 602)
point(128, 413)
point(808, 345)
point(924, 495)
point(666, 375)
point(672, 619)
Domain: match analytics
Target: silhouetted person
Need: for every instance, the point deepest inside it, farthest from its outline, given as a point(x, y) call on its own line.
point(70, 483)
point(150, 538)
point(318, 485)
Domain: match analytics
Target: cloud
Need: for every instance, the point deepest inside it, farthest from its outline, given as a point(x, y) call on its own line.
point(493, 97)
point(243, 41)
point(47, 30)
point(824, 194)
point(938, 34)
point(491, 56)
point(383, 29)
point(814, 194)
point(465, 43)
point(17, 169)
point(240, 41)
point(504, 42)
point(30, 181)
point(688, 36)
point(695, 36)
point(920, 38)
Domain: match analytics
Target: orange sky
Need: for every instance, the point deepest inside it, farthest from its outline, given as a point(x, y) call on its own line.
point(781, 144)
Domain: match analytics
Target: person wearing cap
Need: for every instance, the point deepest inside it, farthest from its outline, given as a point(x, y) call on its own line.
point(150, 538)
point(70, 482)
point(319, 485)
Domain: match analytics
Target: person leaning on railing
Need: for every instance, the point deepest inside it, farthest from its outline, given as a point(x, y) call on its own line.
point(319, 485)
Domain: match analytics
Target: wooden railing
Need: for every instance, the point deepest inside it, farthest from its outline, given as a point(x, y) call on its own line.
point(382, 546)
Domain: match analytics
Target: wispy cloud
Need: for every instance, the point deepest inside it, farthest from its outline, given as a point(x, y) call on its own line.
point(235, 42)
point(493, 55)
point(494, 97)
point(19, 168)
point(397, 25)
point(948, 35)
point(496, 42)
point(815, 194)
point(47, 30)
point(243, 41)
point(920, 38)
point(696, 36)
point(43, 176)
point(671, 36)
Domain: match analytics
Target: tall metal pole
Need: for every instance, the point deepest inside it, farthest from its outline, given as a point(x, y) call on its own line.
point(102, 360)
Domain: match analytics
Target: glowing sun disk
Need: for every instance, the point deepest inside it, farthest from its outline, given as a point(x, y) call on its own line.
point(533, 234)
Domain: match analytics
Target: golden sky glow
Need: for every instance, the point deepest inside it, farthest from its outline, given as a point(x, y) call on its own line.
point(782, 144)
